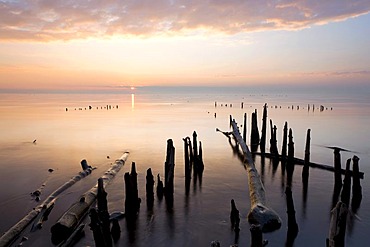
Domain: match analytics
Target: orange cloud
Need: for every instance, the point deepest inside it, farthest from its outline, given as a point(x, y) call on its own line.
point(42, 20)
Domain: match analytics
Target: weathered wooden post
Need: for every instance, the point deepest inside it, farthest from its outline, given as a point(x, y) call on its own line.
point(187, 159)
point(159, 188)
point(103, 213)
point(337, 167)
point(273, 141)
point(245, 128)
point(234, 217)
point(285, 141)
point(306, 166)
point(200, 167)
point(292, 223)
point(290, 163)
point(132, 201)
point(356, 188)
point(337, 231)
point(263, 135)
point(84, 165)
point(149, 188)
point(95, 226)
point(346, 190)
point(255, 134)
point(170, 172)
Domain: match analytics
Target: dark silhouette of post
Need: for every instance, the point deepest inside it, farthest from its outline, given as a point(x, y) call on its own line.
point(170, 173)
point(285, 141)
point(149, 189)
point(337, 168)
point(263, 135)
point(234, 217)
point(356, 188)
point(306, 166)
point(245, 128)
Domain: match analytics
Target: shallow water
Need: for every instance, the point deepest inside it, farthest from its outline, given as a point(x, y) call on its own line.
point(142, 123)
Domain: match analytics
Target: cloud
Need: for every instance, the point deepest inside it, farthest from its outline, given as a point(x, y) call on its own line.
point(353, 73)
point(44, 20)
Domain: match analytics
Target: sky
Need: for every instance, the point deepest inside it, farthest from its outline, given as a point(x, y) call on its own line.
point(119, 44)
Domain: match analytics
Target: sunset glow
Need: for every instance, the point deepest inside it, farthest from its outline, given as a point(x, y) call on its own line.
point(124, 44)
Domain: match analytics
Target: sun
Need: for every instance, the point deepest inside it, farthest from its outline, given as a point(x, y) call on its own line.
point(132, 88)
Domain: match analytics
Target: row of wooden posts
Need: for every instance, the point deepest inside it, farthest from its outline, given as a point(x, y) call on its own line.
point(106, 230)
point(342, 191)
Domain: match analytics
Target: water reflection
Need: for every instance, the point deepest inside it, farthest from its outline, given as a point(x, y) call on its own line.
point(132, 101)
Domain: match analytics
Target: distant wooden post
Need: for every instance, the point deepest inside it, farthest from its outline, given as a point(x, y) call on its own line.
point(290, 163)
point(337, 168)
point(255, 134)
point(263, 136)
point(195, 149)
point(187, 159)
point(306, 166)
point(285, 141)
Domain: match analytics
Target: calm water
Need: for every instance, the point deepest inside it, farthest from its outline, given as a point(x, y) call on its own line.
point(142, 123)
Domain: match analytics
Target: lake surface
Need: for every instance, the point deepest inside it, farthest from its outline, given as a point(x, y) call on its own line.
point(140, 121)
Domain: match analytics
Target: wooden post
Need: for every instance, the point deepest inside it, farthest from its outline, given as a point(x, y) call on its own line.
point(337, 167)
point(263, 136)
point(103, 213)
point(346, 191)
point(292, 223)
point(337, 229)
point(170, 172)
point(356, 188)
point(200, 167)
point(245, 128)
point(95, 226)
point(149, 188)
point(159, 188)
point(285, 141)
point(306, 166)
point(255, 134)
point(132, 201)
point(234, 217)
point(187, 159)
point(290, 163)
point(195, 149)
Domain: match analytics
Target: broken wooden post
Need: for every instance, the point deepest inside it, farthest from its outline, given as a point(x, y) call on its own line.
point(132, 200)
point(255, 138)
point(245, 128)
point(285, 141)
point(234, 217)
point(263, 135)
point(170, 171)
point(337, 168)
point(187, 159)
point(356, 188)
point(84, 165)
point(103, 213)
point(306, 166)
point(337, 229)
point(200, 167)
point(95, 226)
point(149, 189)
point(159, 188)
point(71, 218)
point(346, 191)
point(292, 223)
point(273, 141)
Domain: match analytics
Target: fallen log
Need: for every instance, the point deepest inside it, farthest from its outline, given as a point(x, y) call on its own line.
point(73, 216)
point(260, 213)
point(42, 210)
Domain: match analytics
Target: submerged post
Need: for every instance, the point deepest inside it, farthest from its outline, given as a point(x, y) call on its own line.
point(149, 188)
point(356, 188)
point(245, 128)
point(170, 172)
point(292, 223)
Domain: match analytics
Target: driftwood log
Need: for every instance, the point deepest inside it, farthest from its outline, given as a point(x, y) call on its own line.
point(40, 212)
point(260, 213)
point(72, 217)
